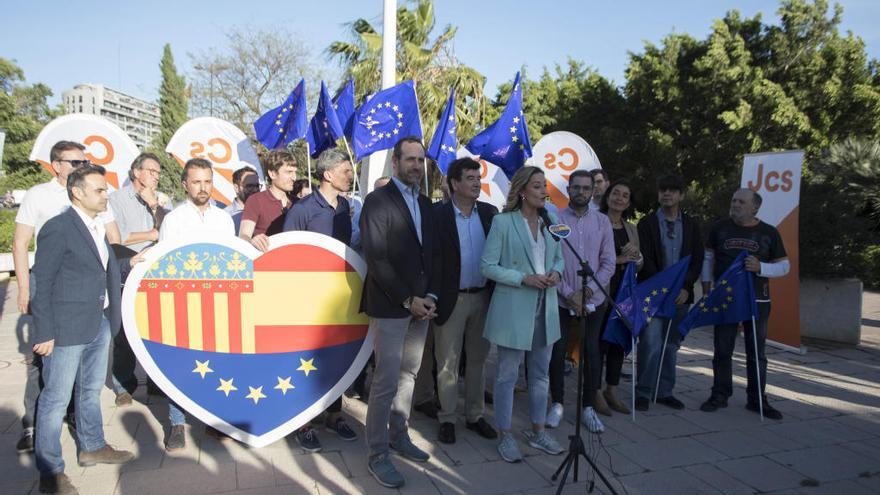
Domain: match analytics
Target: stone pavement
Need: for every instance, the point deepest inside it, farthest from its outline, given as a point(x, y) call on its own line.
point(829, 441)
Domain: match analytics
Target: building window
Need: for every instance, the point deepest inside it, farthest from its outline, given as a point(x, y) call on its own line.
point(80, 100)
point(80, 108)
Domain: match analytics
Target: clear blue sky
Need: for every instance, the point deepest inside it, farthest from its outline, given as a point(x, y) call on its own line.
point(119, 44)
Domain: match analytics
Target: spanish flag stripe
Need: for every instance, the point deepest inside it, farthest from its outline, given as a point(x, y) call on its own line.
point(141, 315)
point(169, 331)
point(208, 340)
point(294, 338)
point(194, 314)
point(301, 258)
point(154, 315)
point(181, 320)
point(221, 321)
point(234, 322)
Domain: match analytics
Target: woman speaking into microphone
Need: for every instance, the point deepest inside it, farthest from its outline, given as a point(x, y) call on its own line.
point(526, 264)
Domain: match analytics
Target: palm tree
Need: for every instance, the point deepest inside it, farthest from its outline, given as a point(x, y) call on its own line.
point(432, 64)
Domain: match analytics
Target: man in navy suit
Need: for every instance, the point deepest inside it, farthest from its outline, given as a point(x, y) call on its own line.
point(76, 312)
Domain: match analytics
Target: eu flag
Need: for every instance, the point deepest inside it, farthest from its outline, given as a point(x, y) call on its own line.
point(732, 300)
point(615, 331)
point(506, 143)
point(324, 129)
point(652, 298)
point(343, 103)
point(443, 144)
point(281, 125)
point(382, 120)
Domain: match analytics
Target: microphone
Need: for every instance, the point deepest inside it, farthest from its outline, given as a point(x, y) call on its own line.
point(545, 217)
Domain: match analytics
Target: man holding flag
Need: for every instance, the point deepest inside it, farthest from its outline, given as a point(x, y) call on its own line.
point(741, 237)
point(665, 237)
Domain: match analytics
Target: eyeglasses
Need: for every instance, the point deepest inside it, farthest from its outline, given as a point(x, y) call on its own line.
point(670, 229)
point(77, 163)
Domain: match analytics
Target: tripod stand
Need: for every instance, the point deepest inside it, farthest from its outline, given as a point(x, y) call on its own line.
point(576, 446)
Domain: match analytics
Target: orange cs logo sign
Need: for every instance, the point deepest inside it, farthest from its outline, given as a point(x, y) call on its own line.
point(566, 159)
point(218, 150)
point(98, 150)
point(772, 181)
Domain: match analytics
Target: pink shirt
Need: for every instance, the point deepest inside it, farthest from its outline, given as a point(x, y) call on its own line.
point(592, 237)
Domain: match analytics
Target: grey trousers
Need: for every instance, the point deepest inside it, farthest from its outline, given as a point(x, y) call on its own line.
point(399, 344)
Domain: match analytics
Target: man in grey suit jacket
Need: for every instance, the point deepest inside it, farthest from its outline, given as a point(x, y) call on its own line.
point(397, 236)
point(76, 311)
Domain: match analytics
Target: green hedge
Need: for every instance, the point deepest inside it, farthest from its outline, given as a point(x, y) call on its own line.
point(7, 228)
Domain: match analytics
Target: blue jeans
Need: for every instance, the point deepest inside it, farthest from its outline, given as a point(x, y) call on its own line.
point(124, 363)
point(77, 369)
point(722, 361)
point(176, 415)
point(650, 349)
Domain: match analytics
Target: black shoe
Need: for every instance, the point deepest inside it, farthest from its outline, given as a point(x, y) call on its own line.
point(57, 483)
point(176, 439)
point(671, 401)
point(642, 404)
point(428, 408)
point(25, 444)
point(488, 397)
point(769, 411)
point(483, 428)
point(446, 433)
point(713, 404)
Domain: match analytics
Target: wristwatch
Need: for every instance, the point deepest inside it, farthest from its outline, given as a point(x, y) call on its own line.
point(407, 302)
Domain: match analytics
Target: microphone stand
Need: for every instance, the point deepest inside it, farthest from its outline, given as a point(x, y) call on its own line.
point(576, 445)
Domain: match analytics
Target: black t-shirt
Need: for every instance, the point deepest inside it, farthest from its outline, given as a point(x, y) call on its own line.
point(620, 239)
point(762, 241)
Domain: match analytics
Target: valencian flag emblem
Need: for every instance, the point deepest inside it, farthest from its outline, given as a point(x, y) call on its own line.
point(253, 344)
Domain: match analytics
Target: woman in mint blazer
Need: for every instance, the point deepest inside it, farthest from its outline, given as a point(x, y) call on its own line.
point(523, 320)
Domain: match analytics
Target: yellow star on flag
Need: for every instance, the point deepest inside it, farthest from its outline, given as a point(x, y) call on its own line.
point(387, 104)
point(290, 106)
point(284, 110)
point(284, 385)
point(648, 299)
point(724, 282)
point(664, 290)
point(226, 386)
point(306, 366)
point(513, 129)
point(372, 133)
point(202, 368)
point(395, 107)
point(515, 139)
point(645, 309)
point(654, 292)
point(277, 122)
point(522, 146)
point(256, 394)
point(396, 131)
point(372, 110)
point(729, 298)
point(648, 319)
point(729, 289)
point(724, 306)
point(516, 120)
point(399, 115)
point(705, 310)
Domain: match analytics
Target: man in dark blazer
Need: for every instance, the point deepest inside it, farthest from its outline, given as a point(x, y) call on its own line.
point(397, 232)
point(462, 225)
point(76, 313)
point(665, 236)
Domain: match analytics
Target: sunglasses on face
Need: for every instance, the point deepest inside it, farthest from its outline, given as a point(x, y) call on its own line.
point(77, 163)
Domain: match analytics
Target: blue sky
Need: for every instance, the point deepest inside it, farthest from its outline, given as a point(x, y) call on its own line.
point(119, 43)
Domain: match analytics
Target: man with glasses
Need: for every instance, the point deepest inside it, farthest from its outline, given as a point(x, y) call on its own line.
point(41, 203)
point(666, 236)
point(246, 184)
point(139, 214)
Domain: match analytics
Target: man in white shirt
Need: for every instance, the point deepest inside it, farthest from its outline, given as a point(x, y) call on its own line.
point(41, 203)
point(195, 218)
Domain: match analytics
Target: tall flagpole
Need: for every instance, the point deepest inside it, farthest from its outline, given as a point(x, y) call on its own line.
point(662, 354)
point(378, 161)
point(309, 161)
point(353, 164)
point(634, 374)
point(757, 369)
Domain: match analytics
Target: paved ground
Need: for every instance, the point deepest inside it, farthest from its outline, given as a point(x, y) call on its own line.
point(829, 441)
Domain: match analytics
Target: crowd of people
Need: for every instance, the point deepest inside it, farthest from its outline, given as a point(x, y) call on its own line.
point(445, 282)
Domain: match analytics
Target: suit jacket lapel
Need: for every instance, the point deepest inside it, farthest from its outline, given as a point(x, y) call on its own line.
point(397, 198)
point(485, 219)
point(84, 231)
point(452, 224)
point(524, 237)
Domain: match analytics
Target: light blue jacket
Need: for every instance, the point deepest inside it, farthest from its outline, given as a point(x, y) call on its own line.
point(507, 258)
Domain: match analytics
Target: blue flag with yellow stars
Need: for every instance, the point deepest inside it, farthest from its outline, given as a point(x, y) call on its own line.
point(643, 302)
point(731, 301)
point(281, 125)
point(443, 144)
point(324, 129)
point(343, 103)
point(382, 120)
point(506, 143)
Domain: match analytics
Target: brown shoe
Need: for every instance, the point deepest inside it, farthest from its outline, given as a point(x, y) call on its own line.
point(600, 405)
point(105, 455)
point(57, 483)
point(614, 403)
point(123, 399)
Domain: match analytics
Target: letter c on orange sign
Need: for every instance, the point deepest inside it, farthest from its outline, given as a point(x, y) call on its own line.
point(227, 150)
point(90, 154)
point(574, 159)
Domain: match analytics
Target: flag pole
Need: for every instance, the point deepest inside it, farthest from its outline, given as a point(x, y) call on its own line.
point(309, 161)
point(353, 164)
point(634, 374)
point(757, 369)
point(662, 355)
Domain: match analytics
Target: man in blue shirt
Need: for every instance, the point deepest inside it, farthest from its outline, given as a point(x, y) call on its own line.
point(326, 211)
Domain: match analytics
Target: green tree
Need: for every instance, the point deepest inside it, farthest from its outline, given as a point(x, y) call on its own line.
point(173, 105)
point(24, 111)
point(430, 63)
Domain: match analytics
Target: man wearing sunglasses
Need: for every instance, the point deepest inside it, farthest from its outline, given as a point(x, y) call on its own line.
point(666, 236)
point(41, 203)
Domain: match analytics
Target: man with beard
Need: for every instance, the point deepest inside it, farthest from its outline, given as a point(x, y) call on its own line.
point(246, 184)
point(264, 212)
point(195, 218)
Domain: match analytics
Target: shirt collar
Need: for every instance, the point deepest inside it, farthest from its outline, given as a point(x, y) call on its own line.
point(458, 211)
point(196, 208)
point(405, 189)
point(90, 222)
point(662, 216)
point(575, 214)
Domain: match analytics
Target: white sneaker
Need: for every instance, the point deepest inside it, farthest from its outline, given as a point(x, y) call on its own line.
point(554, 415)
point(591, 421)
point(508, 448)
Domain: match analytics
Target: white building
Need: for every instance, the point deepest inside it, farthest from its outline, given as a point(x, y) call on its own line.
point(138, 118)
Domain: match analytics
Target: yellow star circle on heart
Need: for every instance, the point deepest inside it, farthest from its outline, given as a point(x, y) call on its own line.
point(284, 385)
point(306, 366)
point(226, 386)
point(256, 394)
point(202, 368)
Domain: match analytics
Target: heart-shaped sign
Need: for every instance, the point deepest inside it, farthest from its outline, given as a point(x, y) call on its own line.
point(254, 344)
